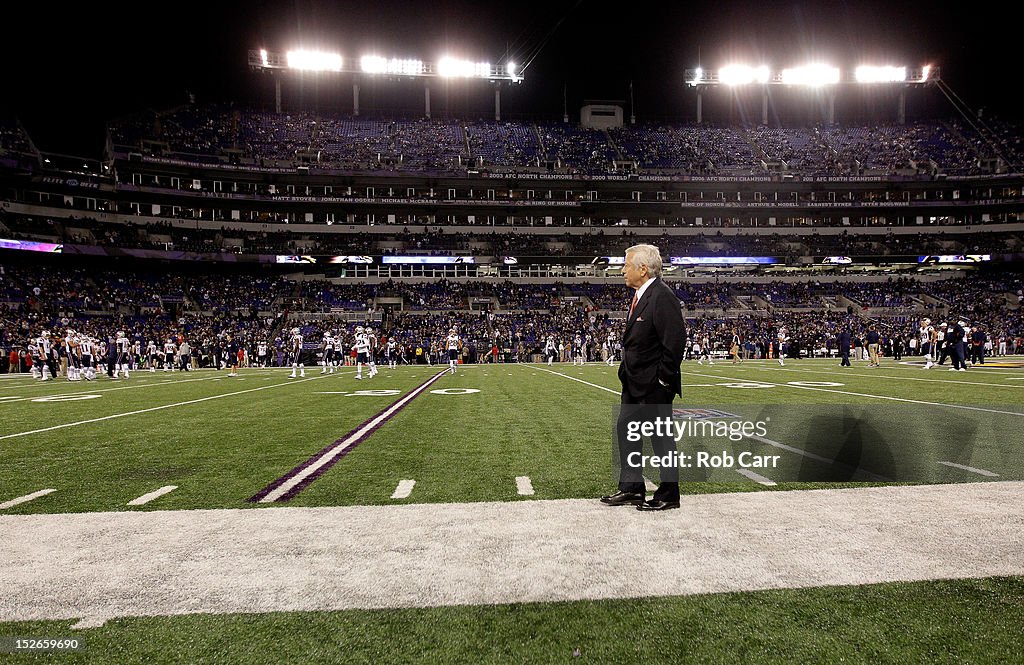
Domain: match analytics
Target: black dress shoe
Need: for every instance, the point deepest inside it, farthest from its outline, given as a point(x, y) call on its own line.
point(621, 498)
point(657, 505)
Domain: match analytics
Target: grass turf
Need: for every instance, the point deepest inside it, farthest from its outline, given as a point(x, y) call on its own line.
point(220, 440)
point(952, 621)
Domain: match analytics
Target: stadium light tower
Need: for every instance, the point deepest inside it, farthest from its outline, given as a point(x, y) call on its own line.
point(818, 75)
point(447, 68)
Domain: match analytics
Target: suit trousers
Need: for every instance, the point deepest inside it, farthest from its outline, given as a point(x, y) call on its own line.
point(657, 403)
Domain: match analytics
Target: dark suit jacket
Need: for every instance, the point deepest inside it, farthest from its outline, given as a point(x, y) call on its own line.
point(844, 341)
point(654, 342)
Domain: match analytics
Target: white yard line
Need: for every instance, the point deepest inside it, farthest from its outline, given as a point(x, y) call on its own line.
point(24, 499)
point(980, 472)
point(856, 394)
point(839, 373)
point(100, 566)
point(404, 489)
point(85, 387)
point(756, 477)
point(155, 494)
point(155, 408)
point(573, 378)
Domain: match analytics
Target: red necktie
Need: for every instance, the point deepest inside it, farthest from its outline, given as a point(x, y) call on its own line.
point(632, 306)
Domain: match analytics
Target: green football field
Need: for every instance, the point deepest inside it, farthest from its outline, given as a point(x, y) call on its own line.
point(512, 433)
point(219, 440)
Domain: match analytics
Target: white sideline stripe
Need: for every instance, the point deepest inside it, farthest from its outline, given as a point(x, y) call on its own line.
point(24, 499)
point(756, 477)
point(404, 489)
point(524, 486)
point(155, 494)
point(89, 622)
point(155, 408)
point(573, 378)
point(980, 472)
point(341, 447)
point(885, 397)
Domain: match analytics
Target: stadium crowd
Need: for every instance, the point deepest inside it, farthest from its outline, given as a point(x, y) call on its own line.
point(495, 319)
point(439, 145)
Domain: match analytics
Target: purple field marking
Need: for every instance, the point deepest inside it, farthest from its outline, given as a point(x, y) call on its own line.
point(299, 478)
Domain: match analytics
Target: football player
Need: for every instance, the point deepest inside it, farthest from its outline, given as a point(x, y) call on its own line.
point(295, 349)
point(371, 354)
point(44, 356)
point(122, 350)
point(71, 350)
point(550, 349)
point(926, 336)
point(391, 352)
point(578, 351)
point(170, 350)
point(783, 343)
point(362, 349)
point(261, 353)
point(87, 351)
point(454, 344)
point(327, 348)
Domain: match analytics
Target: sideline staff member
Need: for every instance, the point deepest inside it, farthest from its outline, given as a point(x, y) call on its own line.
point(653, 345)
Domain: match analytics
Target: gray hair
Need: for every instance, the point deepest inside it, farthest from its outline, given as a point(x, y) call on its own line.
point(646, 255)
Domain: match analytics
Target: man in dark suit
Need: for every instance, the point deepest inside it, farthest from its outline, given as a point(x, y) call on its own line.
point(844, 347)
point(653, 345)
